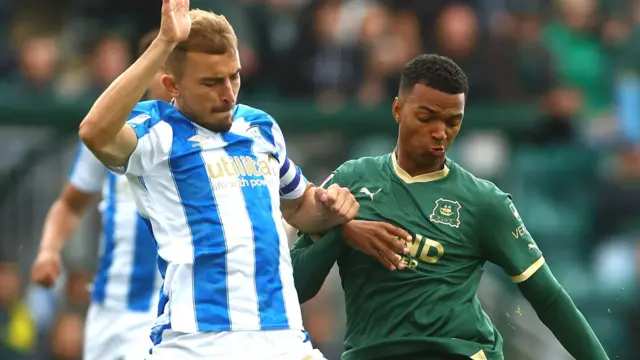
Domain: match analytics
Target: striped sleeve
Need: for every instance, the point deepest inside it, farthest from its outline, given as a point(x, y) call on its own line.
point(155, 138)
point(292, 182)
point(87, 173)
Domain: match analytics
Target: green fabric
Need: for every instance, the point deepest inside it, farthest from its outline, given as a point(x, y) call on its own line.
point(581, 61)
point(558, 312)
point(312, 262)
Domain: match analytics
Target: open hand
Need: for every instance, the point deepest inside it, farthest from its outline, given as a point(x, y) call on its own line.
point(176, 23)
point(378, 239)
point(340, 205)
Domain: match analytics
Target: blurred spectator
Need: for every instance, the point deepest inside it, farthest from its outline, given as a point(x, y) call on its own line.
point(327, 61)
point(581, 60)
point(109, 59)
point(38, 61)
point(67, 337)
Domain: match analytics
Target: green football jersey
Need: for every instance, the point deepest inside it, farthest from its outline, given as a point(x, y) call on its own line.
point(458, 222)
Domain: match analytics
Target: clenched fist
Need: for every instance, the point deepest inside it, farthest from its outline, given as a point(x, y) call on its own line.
point(46, 268)
point(340, 205)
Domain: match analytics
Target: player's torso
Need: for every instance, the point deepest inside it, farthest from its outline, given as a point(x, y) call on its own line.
point(127, 275)
point(214, 206)
point(435, 295)
point(213, 186)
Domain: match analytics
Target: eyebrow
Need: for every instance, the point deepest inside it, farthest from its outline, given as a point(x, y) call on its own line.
point(219, 78)
point(433, 111)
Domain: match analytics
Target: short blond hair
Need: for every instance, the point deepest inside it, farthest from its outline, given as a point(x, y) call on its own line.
point(210, 34)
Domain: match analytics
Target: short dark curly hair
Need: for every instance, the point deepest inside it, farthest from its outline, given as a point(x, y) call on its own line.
point(435, 71)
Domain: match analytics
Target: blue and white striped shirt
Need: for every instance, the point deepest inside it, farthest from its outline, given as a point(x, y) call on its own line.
point(127, 276)
point(213, 202)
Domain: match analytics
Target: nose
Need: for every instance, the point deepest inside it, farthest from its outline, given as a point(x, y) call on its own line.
point(227, 94)
point(439, 132)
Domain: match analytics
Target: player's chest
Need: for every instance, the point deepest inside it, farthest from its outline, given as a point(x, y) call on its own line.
point(227, 160)
point(438, 221)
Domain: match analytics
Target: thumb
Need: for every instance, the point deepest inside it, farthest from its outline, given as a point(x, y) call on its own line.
point(320, 194)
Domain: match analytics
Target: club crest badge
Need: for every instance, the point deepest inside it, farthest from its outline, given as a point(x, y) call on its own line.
point(446, 212)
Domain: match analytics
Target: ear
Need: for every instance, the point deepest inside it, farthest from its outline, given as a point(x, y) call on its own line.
point(170, 84)
point(396, 108)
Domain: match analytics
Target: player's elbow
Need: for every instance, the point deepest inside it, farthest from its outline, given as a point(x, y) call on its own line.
point(90, 134)
point(87, 133)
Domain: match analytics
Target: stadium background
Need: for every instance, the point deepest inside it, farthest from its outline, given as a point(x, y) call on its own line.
point(553, 117)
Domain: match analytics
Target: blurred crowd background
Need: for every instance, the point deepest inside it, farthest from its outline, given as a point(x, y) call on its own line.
point(553, 117)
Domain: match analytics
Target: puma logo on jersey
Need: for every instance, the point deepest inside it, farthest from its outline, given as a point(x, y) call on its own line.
point(369, 193)
point(531, 246)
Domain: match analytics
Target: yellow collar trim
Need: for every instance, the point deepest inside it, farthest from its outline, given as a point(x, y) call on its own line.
point(404, 176)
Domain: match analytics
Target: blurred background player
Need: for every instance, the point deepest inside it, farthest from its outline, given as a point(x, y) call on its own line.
point(126, 286)
point(455, 222)
point(213, 180)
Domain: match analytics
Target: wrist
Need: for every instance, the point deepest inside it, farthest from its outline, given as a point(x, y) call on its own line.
point(50, 249)
point(163, 44)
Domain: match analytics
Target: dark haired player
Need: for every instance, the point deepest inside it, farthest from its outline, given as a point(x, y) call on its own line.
point(454, 222)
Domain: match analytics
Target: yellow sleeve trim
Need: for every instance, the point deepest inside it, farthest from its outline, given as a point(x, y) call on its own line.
point(530, 271)
point(479, 356)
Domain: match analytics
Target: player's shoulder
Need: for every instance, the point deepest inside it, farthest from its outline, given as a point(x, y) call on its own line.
point(483, 191)
point(357, 168)
point(151, 112)
point(251, 115)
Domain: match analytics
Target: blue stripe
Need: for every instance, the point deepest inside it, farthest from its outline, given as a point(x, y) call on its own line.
point(100, 282)
point(144, 127)
point(76, 160)
point(266, 240)
point(293, 184)
point(285, 167)
point(143, 275)
point(266, 130)
point(199, 204)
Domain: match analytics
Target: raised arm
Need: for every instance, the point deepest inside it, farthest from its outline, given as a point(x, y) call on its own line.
point(103, 130)
point(507, 243)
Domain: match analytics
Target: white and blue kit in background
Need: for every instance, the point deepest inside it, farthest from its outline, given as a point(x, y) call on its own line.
point(213, 202)
point(127, 283)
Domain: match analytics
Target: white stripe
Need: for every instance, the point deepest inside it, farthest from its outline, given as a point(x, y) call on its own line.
point(88, 172)
point(241, 285)
point(173, 235)
point(289, 293)
point(288, 177)
point(152, 149)
point(181, 300)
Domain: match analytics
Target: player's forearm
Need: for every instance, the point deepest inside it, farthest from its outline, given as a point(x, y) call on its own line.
point(107, 116)
point(305, 215)
point(558, 312)
point(312, 262)
point(61, 223)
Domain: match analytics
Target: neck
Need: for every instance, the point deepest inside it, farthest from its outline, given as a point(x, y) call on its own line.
point(415, 168)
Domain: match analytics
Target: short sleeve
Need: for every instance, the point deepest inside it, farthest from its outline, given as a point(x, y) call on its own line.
point(155, 138)
point(506, 241)
point(292, 182)
point(87, 173)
